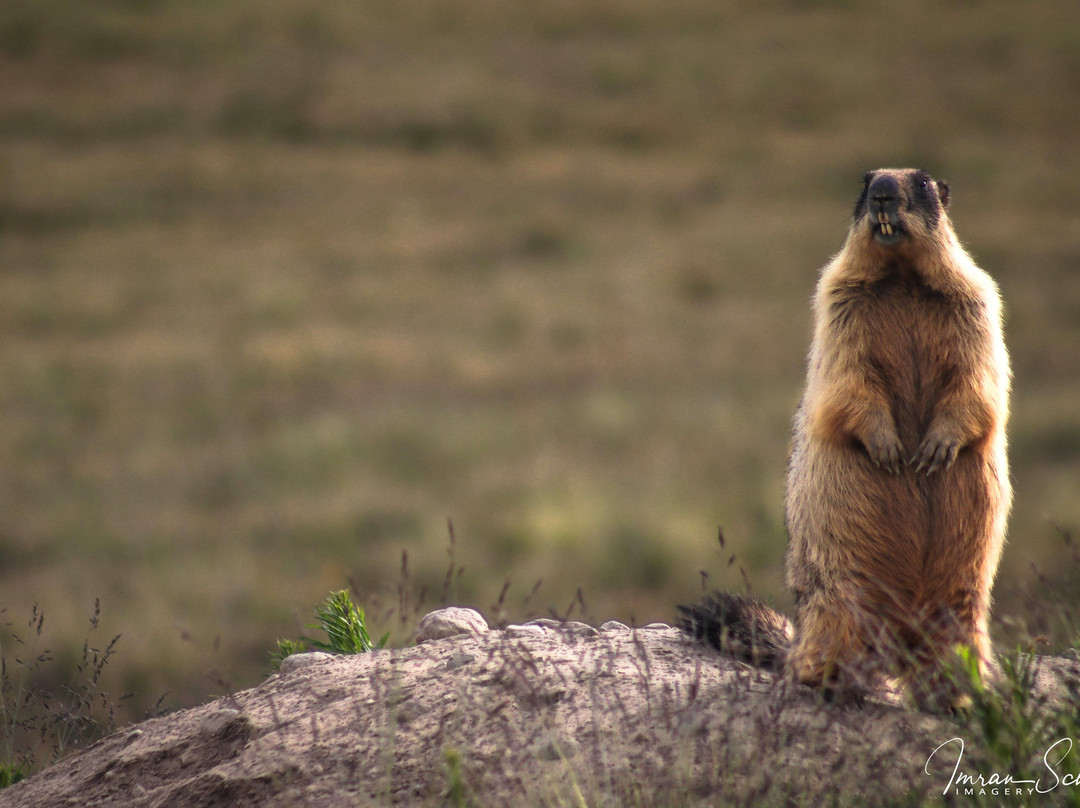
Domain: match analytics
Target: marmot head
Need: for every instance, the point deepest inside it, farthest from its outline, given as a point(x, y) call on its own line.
point(898, 205)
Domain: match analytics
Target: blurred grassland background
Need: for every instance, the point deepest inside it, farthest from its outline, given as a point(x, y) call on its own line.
point(286, 284)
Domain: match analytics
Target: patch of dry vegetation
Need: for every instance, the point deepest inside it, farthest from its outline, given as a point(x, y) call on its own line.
point(556, 713)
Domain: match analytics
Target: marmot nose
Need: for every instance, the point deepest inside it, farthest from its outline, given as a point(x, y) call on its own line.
point(883, 189)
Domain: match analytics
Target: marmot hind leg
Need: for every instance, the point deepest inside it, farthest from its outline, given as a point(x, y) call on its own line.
point(832, 651)
point(950, 656)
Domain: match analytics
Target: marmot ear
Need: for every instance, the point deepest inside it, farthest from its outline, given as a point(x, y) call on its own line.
point(943, 193)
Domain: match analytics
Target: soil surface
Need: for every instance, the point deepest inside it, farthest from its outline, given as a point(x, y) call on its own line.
point(547, 713)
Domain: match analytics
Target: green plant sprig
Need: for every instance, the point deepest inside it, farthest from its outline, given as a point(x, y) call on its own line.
point(345, 626)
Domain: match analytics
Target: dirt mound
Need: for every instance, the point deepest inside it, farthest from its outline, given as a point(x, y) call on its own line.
point(542, 714)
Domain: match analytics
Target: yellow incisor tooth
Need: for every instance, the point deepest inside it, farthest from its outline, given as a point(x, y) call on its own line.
point(887, 228)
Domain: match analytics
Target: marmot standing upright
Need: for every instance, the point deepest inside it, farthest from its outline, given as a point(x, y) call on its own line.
point(897, 485)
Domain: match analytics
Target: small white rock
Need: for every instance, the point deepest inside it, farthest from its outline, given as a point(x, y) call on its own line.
point(614, 625)
point(524, 631)
point(216, 721)
point(574, 628)
point(450, 622)
point(291, 664)
point(567, 628)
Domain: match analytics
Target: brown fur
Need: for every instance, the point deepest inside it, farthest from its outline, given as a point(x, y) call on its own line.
point(897, 485)
point(897, 489)
point(743, 627)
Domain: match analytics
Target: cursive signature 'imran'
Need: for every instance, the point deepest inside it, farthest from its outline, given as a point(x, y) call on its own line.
point(1050, 758)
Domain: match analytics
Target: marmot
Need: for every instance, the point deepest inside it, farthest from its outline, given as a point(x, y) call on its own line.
point(897, 485)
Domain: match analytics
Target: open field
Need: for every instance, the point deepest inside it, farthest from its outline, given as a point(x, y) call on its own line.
point(285, 285)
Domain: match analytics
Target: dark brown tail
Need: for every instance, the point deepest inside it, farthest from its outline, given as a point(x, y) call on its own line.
point(741, 627)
